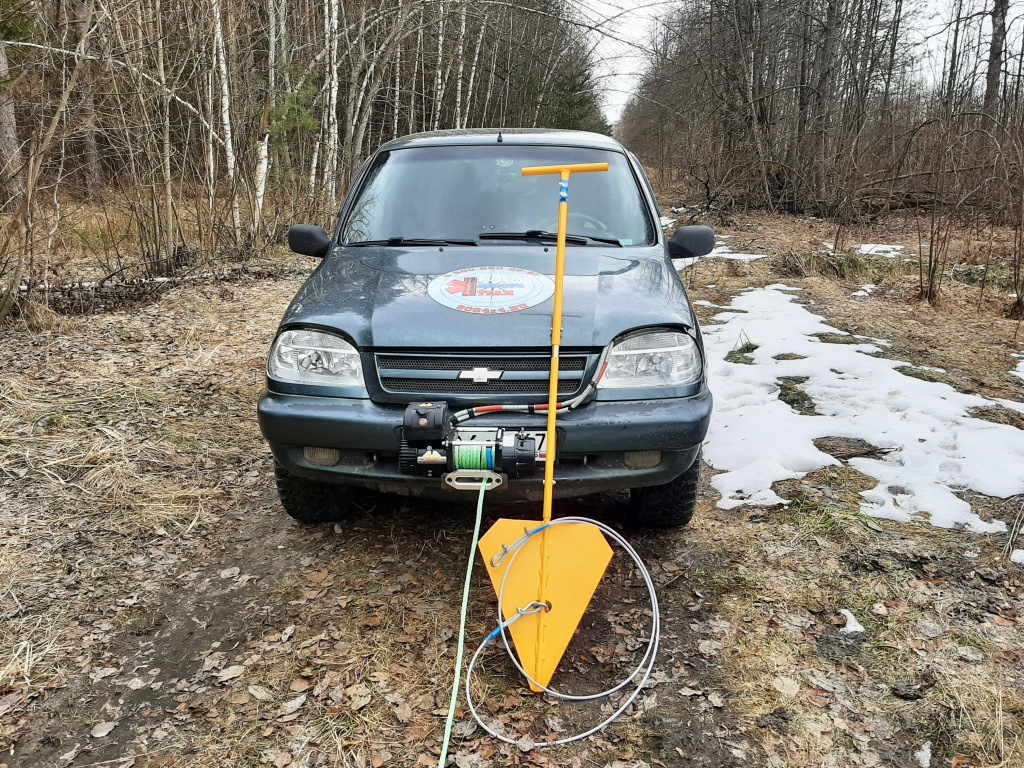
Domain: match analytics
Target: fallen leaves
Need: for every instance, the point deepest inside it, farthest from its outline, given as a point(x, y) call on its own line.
point(230, 673)
point(464, 729)
point(403, 712)
point(359, 696)
point(710, 647)
point(290, 707)
point(260, 693)
point(319, 577)
point(98, 673)
point(787, 686)
point(102, 729)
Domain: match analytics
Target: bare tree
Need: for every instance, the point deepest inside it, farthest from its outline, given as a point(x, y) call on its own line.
point(191, 123)
point(16, 236)
point(12, 173)
point(995, 56)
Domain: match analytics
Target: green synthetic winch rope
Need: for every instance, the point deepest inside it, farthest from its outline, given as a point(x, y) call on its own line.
point(471, 457)
point(443, 759)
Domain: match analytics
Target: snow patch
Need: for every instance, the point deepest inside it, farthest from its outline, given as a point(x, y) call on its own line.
point(879, 249)
point(923, 756)
point(865, 290)
point(667, 222)
point(871, 249)
point(852, 625)
point(931, 446)
point(1019, 370)
point(1017, 556)
point(723, 251)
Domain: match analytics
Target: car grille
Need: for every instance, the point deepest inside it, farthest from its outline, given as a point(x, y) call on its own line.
point(450, 363)
point(436, 375)
point(464, 385)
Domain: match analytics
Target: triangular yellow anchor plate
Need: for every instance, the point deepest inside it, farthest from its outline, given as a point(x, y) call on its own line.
point(561, 565)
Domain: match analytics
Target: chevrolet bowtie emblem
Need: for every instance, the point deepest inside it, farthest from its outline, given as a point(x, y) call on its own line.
point(481, 375)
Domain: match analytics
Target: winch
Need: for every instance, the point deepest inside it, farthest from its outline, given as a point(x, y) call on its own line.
point(433, 446)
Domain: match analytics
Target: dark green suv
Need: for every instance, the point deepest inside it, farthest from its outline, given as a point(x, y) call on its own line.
point(415, 359)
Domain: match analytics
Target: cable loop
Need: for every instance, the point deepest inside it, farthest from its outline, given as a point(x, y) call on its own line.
point(499, 558)
point(638, 677)
point(535, 607)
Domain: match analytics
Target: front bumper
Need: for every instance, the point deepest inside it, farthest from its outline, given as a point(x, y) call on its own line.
point(591, 443)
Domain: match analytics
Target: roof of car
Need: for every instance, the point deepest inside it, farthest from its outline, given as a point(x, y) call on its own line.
point(541, 136)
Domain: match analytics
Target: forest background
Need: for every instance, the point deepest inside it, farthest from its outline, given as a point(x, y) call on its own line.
point(174, 137)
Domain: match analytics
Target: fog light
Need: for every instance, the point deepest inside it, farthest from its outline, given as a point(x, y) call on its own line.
point(643, 459)
point(324, 457)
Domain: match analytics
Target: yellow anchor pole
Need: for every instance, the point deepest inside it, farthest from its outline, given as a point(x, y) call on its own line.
point(564, 171)
point(583, 554)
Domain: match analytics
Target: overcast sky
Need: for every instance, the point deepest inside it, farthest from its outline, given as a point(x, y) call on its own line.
point(619, 46)
point(626, 28)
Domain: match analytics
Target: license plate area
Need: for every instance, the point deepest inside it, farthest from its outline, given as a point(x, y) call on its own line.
point(491, 436)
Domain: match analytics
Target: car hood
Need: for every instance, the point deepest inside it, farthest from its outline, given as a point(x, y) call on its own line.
point(413, 297)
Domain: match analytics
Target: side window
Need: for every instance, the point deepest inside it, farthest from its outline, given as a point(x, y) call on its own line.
point(639, 169)
point(358, 226)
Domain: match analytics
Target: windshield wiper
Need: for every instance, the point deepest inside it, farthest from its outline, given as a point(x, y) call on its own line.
point(609, 240)
point(410, 241)
point(532, 234)
point(540, 234)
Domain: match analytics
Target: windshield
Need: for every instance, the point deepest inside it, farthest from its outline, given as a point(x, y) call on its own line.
point(463, 192)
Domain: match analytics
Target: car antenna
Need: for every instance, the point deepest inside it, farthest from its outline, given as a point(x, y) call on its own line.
point(499, 136)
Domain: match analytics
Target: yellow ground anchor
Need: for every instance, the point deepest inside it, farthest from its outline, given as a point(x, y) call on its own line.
point(561, 565)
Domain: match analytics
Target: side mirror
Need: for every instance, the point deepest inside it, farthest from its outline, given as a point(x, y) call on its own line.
point(691, 242)
point(309, 240)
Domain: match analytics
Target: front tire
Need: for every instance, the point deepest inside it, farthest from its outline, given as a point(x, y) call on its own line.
point(309, 501)
point(667, 506)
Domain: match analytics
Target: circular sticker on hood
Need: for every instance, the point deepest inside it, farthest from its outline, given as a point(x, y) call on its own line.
point(491, 290)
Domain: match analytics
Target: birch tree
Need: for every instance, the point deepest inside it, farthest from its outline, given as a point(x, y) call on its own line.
point(190, 122)
point(220, 55)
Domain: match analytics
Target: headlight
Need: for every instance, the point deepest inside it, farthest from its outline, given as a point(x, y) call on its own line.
point(652, 359)
point(314, 357)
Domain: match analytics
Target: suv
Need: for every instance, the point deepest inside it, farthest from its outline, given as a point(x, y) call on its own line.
point(415, 359)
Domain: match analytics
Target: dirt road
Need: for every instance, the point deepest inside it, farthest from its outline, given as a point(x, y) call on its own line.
point(160, 610)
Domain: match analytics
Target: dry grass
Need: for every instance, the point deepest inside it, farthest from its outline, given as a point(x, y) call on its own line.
point(794, 396)
point(850, 267)
point(106, 446)
point(741, 354)
point(81, 475)
point(814, 694)
point(998, 414)
point(820, 554)
point(132, 475)
point(973, 347)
